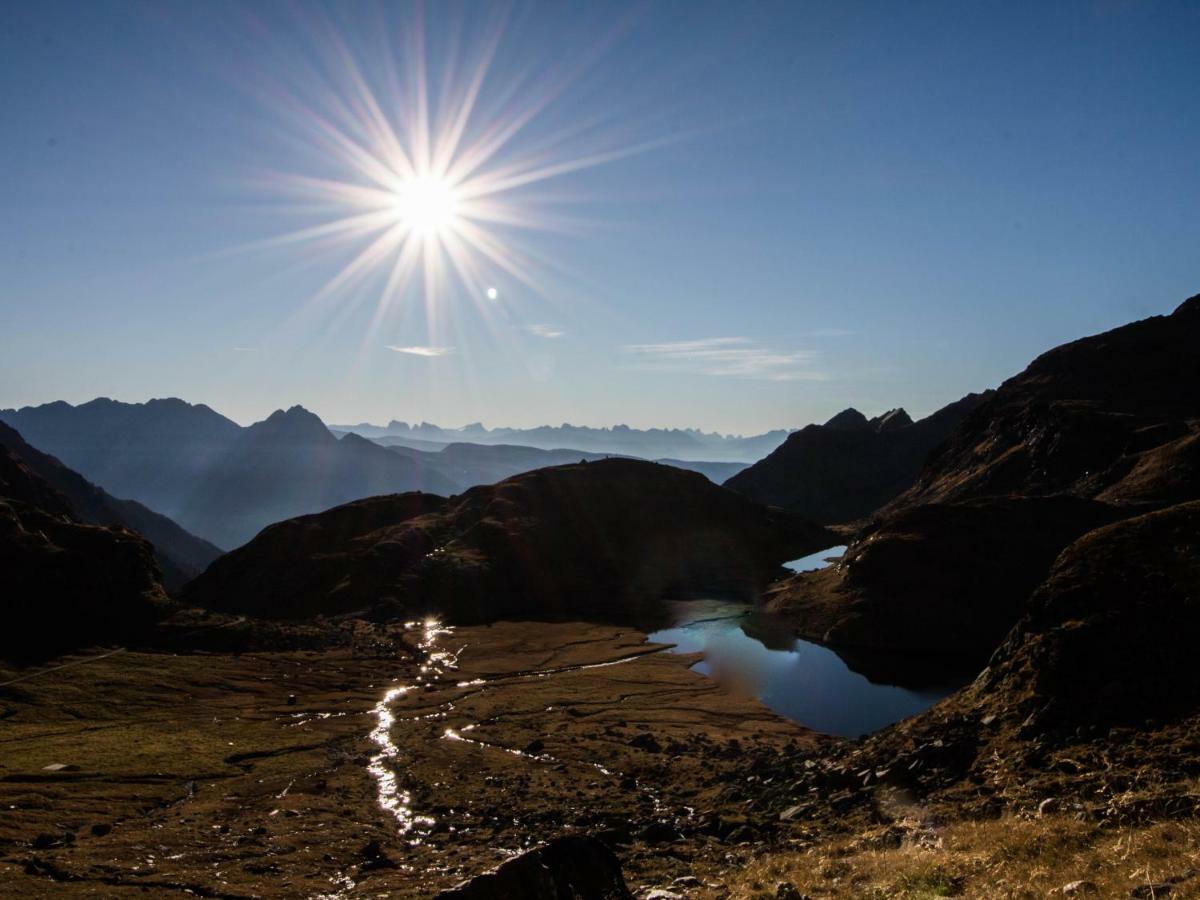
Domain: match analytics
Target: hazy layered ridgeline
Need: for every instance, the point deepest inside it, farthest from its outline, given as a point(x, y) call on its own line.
point(225, 483)
point(689, 444)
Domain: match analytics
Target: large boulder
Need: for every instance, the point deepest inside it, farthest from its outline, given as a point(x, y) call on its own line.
point(567, 868)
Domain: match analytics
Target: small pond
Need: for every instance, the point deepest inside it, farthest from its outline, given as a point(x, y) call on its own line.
point(760, 655)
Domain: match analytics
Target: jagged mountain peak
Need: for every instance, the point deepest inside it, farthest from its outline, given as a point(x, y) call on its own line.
point(848, 418)
point(891, 420)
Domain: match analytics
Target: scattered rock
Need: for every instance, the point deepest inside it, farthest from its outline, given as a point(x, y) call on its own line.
point(659, 833)
point(374, 857)
point(1152, 891)
point(647, 742)
point(1077, 888)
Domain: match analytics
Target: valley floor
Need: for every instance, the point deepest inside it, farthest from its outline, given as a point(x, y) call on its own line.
point(251, 775)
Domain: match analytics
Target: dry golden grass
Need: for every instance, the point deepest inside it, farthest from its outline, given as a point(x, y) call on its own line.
point(1009, 858)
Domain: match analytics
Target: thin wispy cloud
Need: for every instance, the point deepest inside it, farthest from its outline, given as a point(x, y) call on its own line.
point(545, 331)
point(732, 357)
point(831, 332)
point(245, 349)
point(420, 350)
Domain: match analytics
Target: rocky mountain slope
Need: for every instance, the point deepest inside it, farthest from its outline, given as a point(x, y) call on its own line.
point(290, 464)
point(1082, 419)
point(1098, 430)
point(67, 583)
point(594, 540)
point(850, 466)
point(181, 556)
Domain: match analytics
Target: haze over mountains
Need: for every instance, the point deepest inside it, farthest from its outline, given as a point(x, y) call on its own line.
point(224, 483)
point(180, 556)
point(652, 443)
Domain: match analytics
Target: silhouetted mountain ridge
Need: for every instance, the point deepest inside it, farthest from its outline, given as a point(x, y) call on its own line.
point(181, 556)
point(850, 466)
point(67, 583)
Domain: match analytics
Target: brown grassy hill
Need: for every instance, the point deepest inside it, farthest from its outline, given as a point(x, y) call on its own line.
point(594, 540)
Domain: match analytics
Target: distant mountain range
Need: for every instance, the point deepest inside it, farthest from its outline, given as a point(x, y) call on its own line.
point(652, 443)
point(225, 483)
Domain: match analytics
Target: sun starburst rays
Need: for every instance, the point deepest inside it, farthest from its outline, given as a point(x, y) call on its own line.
point(424, 176)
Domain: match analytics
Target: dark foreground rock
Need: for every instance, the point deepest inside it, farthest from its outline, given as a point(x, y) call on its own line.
point(600, 540)
point(567, 868)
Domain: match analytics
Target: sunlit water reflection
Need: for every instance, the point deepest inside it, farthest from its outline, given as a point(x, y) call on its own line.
point(382, 766)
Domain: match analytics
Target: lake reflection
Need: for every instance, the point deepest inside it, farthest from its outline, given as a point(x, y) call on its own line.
point(805, 682)
point(814, 561)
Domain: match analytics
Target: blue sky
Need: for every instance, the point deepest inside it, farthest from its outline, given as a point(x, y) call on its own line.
point(810, 205)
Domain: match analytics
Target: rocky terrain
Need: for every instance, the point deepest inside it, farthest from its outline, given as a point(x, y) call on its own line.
point(604, 540)
point(850, 466)
point(1098, 430)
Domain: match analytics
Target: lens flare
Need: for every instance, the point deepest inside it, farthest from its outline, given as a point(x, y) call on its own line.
point(428, 171)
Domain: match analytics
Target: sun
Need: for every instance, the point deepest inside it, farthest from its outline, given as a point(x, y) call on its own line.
point(428, 205)
point(426, 173)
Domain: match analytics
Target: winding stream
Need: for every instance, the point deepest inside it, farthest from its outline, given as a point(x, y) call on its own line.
point(438, 663)
point(742, 648)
